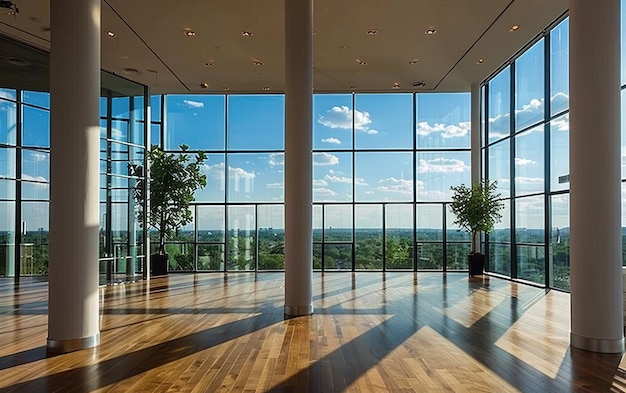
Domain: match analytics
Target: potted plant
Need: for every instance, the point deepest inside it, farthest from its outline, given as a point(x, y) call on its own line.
point(173, 180)
point(477, 209)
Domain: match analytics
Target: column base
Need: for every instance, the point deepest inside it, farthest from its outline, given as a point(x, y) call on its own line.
point(56, 347)
point(596, 344)
point(298, 311)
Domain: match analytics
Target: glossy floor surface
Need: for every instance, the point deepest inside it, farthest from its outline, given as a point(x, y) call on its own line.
point(371, 332)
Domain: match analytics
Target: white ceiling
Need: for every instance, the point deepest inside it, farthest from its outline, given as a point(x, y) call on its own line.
point(149, 38)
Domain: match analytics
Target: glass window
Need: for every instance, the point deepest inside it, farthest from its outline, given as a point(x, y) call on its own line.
point(271, 223)
point(399, 236)
point(529, 235)
point(317, 223)
point(36, 127)
point(368, 236)
point(8, 94)
point(197, 121)
point(256, 122)
point(559, 241)
point(443, 120)
point(119, 130)
point(7, 189)
point(383, 121)
point(211, 257)
point(559, 153)
point(332, 177)
point(381, 176)
point(7, 235)
point(37, 98)
point(559, 68)
point(241, 238)
point(500, 167)
point(332, 121)
point(7, 162)
point(429, 226)
point(338, 223)
point(454, 233)
point(499, 109)
point(438, 171)
point(502, 229)
point(529, 161)
point(255, 177)
point(8, 121)
point(155, 134)
point(213, 169)
point(529, 87)
point(34, 246)
point(211, 223)
point(120, 107)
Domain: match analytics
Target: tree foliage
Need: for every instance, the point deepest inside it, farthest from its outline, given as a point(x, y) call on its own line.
point(174, 178)
point(477, 208)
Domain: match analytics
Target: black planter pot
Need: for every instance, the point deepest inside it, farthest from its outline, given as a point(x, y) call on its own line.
point(476, 263)
point(158, 264)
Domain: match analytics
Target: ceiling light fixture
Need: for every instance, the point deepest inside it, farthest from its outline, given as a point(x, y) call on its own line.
point(361, 62)
point(204, 85)
point(396, 85)
point(132, 71)
point(8, 7)
point(419, 84)
point(225, 88)
point(480, 61)
point(258, 63)
point(189, 33)
point(111, 34)
point(266, 88)
point(414, 61)
point(514, 28)
point(246, 33)
point(430, 31)
point(210, 63)
point(372, 32)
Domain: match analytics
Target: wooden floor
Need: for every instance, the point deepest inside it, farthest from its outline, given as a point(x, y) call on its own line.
point(371, 332)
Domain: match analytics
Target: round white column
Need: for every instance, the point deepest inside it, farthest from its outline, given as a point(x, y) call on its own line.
point(73, 319)
point(595, 188)
point(298, 157)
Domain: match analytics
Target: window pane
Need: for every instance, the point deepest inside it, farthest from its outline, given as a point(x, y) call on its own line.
point(559, 68)
point(559, 153)
point(429, 256)
point(399, 236)
point(37, 98)
point(368, 235)
point(317, 223)
point(529, 87)
point(7, 237)
point(529, 161)
point(502, 229)
point(213, 168)
point(34, 247)
point(35, 165)
point(500, 167)
point(338, 223)
point(317, 256)
point(241, 238)
point(454, 233)
point(155, 134)
point(36, 127)
point(500, 259)
point(559, 242)
point(7, 189)
point(211, 257)
point(120, 107)
point(337, 256)
point(529, 235)
point(180, 256)
point(437, 172)
point(332, 121)
point(429, 223)
point(255, 177)
point(531, 263)
point(38, 191)
point(8, 94)
point(256, 122)
point(210, 222)
point(196, 121)
point(383, 176)
point(456, 256)
point(443, 120)
point(155, 108)
point(383, 121)
point(271, 223)
point(8, 122)
point(332, 177)
point(7, 162)
point(500, 106)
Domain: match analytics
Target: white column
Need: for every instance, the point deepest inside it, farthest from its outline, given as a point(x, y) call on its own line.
point(595, 189)
point(73, 320)
point(298, 157)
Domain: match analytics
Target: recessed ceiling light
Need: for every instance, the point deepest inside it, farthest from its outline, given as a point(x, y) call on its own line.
point(209, 63)
point(189, 33)
point(132, 71)
point(204, 85)
point(225, 88)
point(372, 32)
point(34, 19)
point(480, 61)
point(111, 34)
point(414, 61)
point(361, 62)
point(430, 31)
point(514, 28)
point(258, 62)
point(313, 31)
point(419, 84)
point(396, 85)
point(341, 47)
point(266, 88)
point(246, 33)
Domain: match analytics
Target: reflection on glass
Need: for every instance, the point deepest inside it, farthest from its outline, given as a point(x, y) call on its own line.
point(241, 238)
point(35, 165)
point(559, 153)
point(529, 161)
point(454, 233)
point(180, 256)
point(332, 177)
point(338, 223)
point(332, 121)
point(399, 236)
point(502, 229)
point(8, 122)
point(210, 223)
point(35, 191)
point(195, 120)
point(531, 263)
point(254, 177)
point(437, 172)
point(443, 121)
point(560, 240)
point(429, 223)
point(120, 107)
point(256, 122)
point(499, 110)
point(559, 68)
point(7, 238)
point(368, 236)
point(383, 121)
point(155, 108)
point(383, 176)
point(213, 169)
point(7, 162)
point(7, 189)
point(34, 245)
point(35, 127)
point(271, 223)
point(456, 256)
point(529, 87)
point(499, 259)
point(529, 235)
point(500, 167)
point(211, 257)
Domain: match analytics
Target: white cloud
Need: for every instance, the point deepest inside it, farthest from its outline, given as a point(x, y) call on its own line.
point(194, 104)
point(319, 183)
point(524, 161)
point(447, 131)
point(341, 117)
point(560, 124)
point(342, 179)
point(528, 180)
point(396, 186)
point(39, 157)
point(325, 159)
point(277, 159)
point(217, 172)
point(275, 185)
point(331, 140)
point(442, 165)
point(323, 191)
